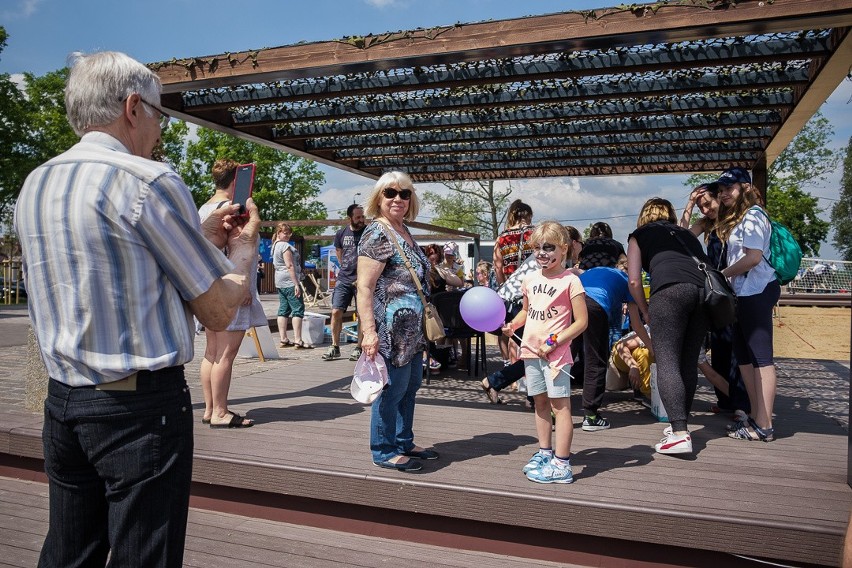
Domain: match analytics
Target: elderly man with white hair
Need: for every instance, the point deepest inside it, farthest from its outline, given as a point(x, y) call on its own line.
point(116, 264)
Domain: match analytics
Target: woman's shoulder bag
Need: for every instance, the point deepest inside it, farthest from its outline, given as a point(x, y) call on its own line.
point(720, 302)
point(433, 326)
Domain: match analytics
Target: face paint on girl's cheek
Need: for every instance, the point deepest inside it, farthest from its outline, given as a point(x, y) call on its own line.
point(546, 259)
point(547, 255)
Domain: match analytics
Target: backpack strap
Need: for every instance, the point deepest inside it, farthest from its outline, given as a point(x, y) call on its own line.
point(768, 218)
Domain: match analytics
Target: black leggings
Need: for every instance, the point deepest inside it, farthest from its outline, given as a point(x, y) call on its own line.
point(678, 325)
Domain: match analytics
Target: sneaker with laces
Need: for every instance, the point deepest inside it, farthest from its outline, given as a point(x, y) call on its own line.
point(673, 444)
point(595, 423)
point(552, 473)
point(356, 354)
point(539, 460)
point(332, 353)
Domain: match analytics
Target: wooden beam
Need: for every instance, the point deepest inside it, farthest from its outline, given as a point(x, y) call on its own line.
point(499, 39)
point(589, 171)
point(264, 142)
point(659, 58)
point(823, 84)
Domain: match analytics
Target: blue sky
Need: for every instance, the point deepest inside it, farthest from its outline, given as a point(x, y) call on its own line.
point(43, 32)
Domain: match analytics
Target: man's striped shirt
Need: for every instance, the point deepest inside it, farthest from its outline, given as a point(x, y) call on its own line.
point(112, 252)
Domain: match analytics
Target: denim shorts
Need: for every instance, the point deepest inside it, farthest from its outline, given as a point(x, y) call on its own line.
point(540, 379)
point(342, 295)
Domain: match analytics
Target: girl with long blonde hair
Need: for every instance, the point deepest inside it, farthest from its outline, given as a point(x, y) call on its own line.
point(745, 229)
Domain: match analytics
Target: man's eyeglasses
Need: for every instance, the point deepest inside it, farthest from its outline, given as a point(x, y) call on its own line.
point(391, 193)
point(164, 118)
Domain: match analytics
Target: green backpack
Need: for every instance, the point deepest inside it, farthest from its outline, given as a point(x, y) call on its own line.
point(785, 252)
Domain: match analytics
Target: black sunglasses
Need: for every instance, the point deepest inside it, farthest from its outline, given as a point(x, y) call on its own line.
point(391, 193)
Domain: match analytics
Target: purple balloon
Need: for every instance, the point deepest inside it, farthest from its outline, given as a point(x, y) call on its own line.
point(482, 309)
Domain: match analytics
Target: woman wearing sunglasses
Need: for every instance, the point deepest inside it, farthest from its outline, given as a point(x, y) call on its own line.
point(391, 316)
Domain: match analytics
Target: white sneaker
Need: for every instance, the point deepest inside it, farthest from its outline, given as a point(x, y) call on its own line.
point(673, 444)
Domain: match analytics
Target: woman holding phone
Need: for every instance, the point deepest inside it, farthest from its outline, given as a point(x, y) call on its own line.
point(222, 346)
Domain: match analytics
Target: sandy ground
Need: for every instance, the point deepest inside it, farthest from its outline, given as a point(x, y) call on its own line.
point(803, 333)
point(812, 333)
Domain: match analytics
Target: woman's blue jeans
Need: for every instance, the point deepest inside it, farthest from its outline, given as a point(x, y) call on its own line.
point(392, 419)
point(119, 465)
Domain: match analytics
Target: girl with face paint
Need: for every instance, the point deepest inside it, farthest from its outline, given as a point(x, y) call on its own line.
point(553, 314)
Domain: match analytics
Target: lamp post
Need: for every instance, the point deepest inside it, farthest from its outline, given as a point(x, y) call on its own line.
point(355, 198)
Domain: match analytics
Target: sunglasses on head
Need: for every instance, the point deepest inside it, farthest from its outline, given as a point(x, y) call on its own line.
point(392, 192)
point(546, 247)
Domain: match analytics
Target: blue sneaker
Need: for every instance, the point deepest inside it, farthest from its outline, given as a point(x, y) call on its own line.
point(539, 460)
point(552, 473)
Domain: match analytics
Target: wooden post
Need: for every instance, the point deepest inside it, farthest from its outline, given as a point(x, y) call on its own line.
point(251, 332)
point(758, 177)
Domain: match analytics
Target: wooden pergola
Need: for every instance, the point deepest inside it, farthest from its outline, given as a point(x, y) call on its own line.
point(673, 86)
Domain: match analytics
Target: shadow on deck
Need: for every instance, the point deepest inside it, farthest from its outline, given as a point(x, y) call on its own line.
point(307, 462)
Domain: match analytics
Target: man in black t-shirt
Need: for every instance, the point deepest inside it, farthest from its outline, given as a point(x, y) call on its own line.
point(346, 244)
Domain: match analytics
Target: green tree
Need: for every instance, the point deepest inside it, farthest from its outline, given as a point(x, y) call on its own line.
point(172, 147)
point(841, 212)
point(806, 161)
point(15, 145)
point(34, 128)
point(285, 187)
point(48, 122)
point(477, 207)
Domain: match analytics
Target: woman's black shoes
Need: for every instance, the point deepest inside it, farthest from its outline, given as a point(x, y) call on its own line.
point(407, 466)
point(422, 454)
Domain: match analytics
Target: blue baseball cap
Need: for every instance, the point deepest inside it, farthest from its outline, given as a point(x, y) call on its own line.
point(734, 175)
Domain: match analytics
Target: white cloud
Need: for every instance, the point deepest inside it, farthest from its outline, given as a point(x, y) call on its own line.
point(18, 80)
point(21, 9)
point(381, 3)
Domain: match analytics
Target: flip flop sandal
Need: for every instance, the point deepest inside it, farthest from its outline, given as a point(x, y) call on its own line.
point(287, 343)
point(236, 421)
point(303, 345)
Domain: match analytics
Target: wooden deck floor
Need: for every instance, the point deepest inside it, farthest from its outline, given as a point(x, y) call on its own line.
point(222, 540)
point(787, 500)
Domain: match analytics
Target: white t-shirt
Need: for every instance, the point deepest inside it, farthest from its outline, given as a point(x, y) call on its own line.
point(752, 232)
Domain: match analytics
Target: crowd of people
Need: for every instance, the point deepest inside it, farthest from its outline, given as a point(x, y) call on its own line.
point(143, 261)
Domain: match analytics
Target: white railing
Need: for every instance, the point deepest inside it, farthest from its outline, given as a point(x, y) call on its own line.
point(822, 276)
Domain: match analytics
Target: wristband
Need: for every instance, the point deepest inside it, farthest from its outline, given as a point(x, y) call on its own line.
point(551, 341)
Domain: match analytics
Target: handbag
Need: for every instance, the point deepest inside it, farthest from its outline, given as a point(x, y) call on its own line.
point(433, 326)
point(720, 301)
